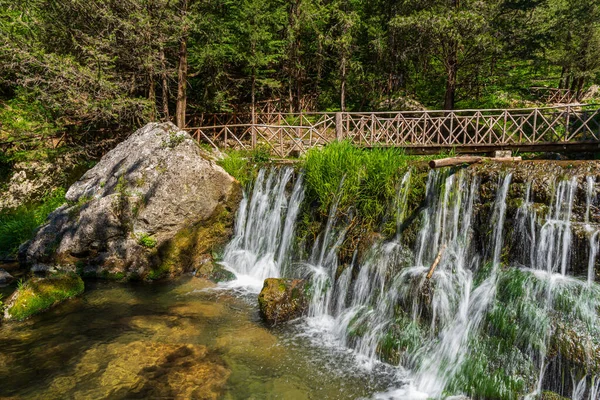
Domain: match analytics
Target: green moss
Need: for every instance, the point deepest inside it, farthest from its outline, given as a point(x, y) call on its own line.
point(39, 294)
point(488, 373)
point(547, 395)
point(146, 240)
point(193, 247)
point(112, 276)
point(220, 274)
point(159, 272)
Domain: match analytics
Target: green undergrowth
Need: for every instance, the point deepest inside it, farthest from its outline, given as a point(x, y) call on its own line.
point(19, 225)
point(244, 165)
point(39, 294)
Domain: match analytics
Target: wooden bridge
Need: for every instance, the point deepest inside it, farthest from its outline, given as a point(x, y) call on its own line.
point(565, 128)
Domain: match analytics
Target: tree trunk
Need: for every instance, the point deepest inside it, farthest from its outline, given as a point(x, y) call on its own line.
point(450, 96)
point(561, 82)
point(580, 84)
point(165, 86)
point(253, 93)
point(182, 71)
point(451, 71)
point(152, 94)
point(343, 85)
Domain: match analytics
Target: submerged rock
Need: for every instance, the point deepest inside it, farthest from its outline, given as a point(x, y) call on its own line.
point(39, 294)
point(281, 300)
point(153, 206)
point(143, 369)
point(5, 277)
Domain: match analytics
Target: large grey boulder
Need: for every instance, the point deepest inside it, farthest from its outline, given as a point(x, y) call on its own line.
point(123, 215)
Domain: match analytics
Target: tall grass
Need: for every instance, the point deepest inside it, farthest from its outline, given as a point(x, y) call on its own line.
point(243, 164)
point(370, 177)
point(19, 225)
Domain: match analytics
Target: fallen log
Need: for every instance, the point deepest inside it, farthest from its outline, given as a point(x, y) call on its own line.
point(436, 262)
point(455, 161)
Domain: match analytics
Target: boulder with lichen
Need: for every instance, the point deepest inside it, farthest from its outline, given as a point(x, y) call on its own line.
point(129, 214)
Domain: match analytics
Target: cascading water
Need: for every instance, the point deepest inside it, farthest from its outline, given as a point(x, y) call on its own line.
point(436, 321)
point(264, 229)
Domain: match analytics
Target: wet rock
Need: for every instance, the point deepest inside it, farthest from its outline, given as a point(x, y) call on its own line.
point(5, 277)
point(544, 177)
point(572, 346)
point(125, 214)
point(281, 300)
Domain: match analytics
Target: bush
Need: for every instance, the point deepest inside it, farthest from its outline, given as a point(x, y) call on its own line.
point(19, 226)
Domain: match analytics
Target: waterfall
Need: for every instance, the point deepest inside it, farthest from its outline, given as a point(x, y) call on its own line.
point(589, 197)
point(433, 286)
point(264, 229)
point(444, 359)
point(593, 254)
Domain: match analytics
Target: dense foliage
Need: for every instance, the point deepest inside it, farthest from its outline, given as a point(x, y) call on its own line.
point(93, 68)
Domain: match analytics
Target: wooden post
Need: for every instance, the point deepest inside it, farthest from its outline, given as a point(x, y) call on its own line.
point(253, 128)
point(339, 128)
point(567, 123)
point(372, 129)
point(504, 130)
point(535, 117)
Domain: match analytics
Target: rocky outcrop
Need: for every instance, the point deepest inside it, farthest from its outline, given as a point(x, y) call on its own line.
point(543, 176)
point(281, 300)
point(127, 216)
point(32, 181)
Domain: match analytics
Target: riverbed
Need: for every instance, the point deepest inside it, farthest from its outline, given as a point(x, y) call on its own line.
point(183, 339)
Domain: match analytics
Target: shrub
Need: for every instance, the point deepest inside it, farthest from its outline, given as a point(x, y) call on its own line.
point(19, 225)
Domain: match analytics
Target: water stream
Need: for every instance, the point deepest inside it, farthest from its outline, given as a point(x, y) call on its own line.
point(426, 313)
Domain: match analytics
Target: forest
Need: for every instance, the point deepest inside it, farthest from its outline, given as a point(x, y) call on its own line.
point(90, 70)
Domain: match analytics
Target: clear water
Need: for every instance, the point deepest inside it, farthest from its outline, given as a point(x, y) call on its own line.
point(128, 341)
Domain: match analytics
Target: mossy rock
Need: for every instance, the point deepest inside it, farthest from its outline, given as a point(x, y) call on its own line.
point(282, 300)
point(39, 294)
point(192, 248)
point(547, 395)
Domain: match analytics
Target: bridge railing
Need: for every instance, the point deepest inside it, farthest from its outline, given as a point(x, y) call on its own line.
point(288, 133)
point(553, 95)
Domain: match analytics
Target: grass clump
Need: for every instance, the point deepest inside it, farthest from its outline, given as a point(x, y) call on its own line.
point(19, 225)
point(237, 165)
point(243, 165)
point(363, 178)
point(146, 240)
point(39, 294)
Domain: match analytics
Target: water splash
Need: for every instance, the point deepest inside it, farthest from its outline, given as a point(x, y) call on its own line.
point(264, 229)
point(594, 244)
